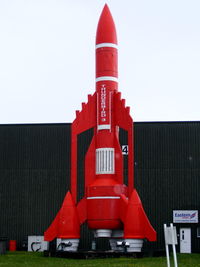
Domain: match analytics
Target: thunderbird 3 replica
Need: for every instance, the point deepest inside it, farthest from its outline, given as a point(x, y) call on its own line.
point(109, 207)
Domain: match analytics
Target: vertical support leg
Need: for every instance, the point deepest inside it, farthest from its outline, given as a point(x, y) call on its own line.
point(166, 247)
point(173, 246)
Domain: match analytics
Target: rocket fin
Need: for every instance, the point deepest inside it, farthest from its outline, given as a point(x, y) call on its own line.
point(66, 223)
point(122, 116)
point(137, 225)
point(51, 232)
point(86, 118)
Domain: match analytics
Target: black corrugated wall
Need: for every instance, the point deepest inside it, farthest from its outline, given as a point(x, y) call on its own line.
point(34, 177)
point(35, 171)
point(167, 172)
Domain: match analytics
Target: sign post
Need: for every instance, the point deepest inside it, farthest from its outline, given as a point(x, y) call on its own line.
point(170, 239)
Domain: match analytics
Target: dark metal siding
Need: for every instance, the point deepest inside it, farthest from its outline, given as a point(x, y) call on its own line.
point(167, 172)
point(84, 140)
point(34, 177)
point(35, 174)
point(123, 139)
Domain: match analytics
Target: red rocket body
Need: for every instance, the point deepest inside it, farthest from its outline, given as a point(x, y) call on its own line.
point(108, 204)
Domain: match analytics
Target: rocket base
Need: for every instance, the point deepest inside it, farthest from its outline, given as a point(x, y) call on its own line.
point(67, 245)
point(102, 233)
point(117, 244)
point(126, 245)
point(91, 254)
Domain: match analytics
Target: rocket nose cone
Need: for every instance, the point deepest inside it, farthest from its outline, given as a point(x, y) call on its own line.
point(106, 32)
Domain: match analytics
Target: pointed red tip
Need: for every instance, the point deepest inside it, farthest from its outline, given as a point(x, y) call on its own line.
point(106, 32)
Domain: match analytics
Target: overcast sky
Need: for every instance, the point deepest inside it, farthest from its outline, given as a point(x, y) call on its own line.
point(47, 58)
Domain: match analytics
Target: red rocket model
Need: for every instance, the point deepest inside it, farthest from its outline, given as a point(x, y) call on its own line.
point(109, 207)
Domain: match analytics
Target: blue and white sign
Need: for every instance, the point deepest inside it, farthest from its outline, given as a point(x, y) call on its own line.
point(185, 216)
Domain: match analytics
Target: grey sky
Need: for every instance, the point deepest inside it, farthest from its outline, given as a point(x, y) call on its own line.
point(47, 58)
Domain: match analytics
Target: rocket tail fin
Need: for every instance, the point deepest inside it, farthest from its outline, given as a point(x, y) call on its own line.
point(137, 225)
point(66, 223)
point(51, 232)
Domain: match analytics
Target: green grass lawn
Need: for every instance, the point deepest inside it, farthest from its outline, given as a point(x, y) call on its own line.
point(33, 259)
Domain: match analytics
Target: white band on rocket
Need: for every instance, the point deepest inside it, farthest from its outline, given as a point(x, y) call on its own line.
point(106, 78)
point(106, 45)
point(104, 197)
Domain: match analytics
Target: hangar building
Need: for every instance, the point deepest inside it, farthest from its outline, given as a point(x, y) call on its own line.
point(35, 176)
